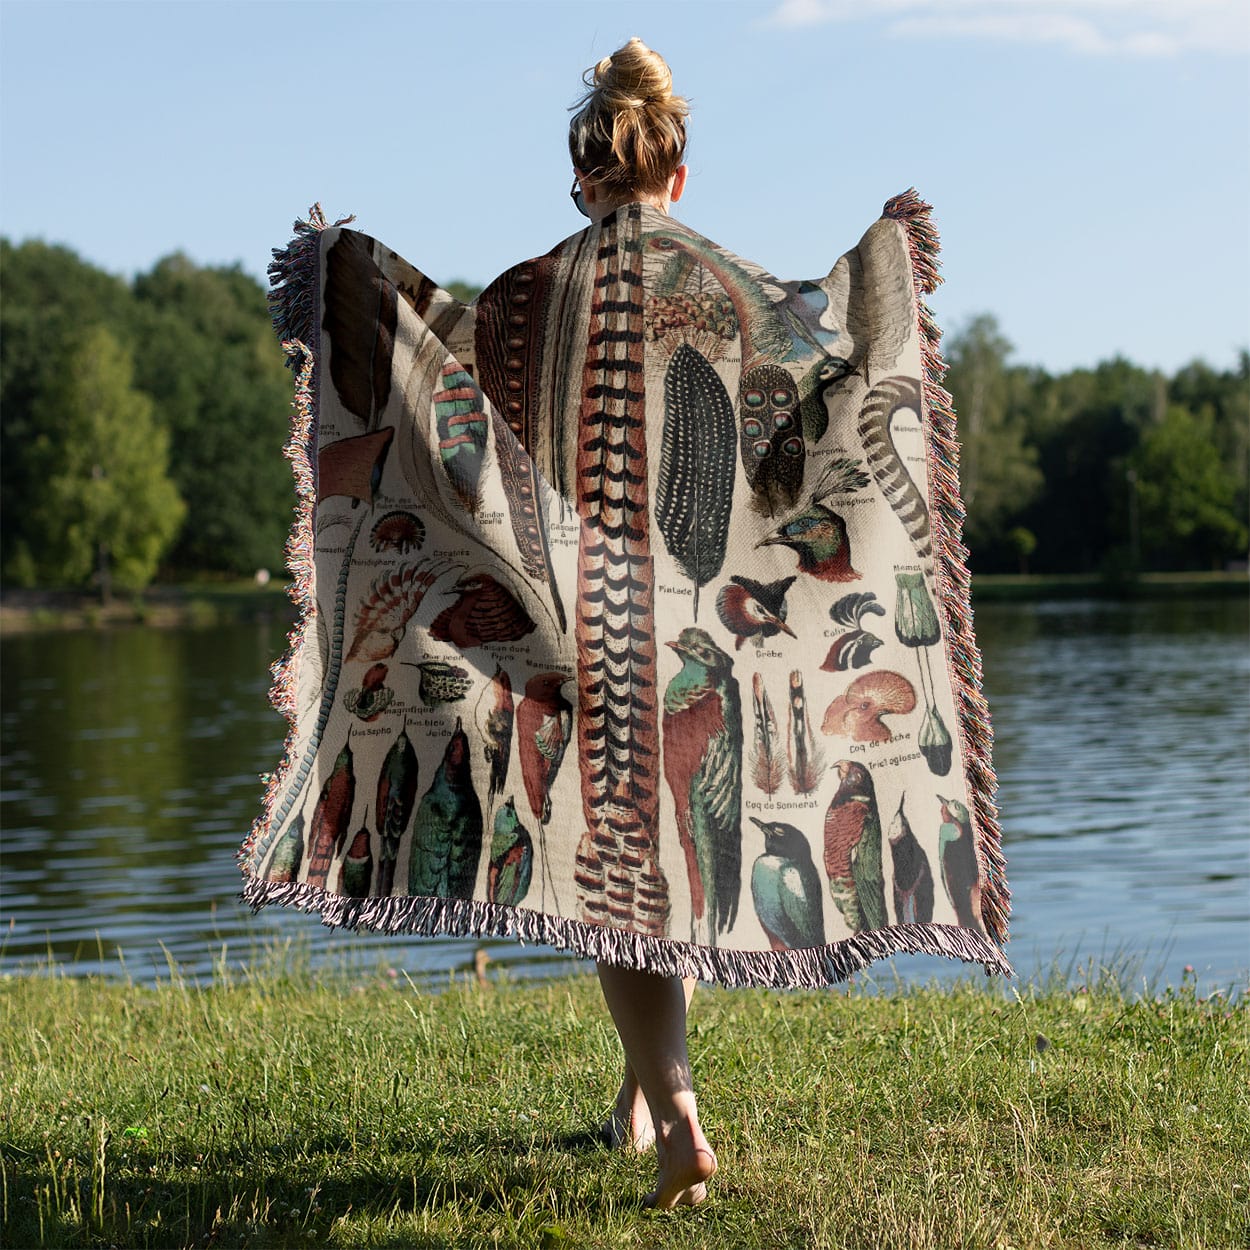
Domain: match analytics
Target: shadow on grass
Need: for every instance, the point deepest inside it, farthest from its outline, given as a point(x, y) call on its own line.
point(264, 1197)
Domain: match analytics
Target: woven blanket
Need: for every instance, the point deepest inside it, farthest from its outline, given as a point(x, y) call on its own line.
point(635, 619)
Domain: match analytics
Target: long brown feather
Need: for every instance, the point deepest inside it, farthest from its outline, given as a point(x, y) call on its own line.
point(768, 766)
point(360, 314)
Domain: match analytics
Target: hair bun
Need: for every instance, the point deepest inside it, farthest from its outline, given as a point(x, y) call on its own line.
point(634, 76)
point(630, 129)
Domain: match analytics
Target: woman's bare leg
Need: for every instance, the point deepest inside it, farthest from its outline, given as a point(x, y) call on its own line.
point(650, 1015)
point(629, 1125)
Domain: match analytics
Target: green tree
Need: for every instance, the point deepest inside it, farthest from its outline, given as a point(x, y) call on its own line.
point(104, 504)
point(209, 358)
point(1186, 495)
point(997, 467)
point(51, 296)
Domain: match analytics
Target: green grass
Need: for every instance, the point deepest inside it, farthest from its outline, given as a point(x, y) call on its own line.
point(297, 1110)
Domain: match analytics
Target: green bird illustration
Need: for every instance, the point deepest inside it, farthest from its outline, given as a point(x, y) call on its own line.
point(447, 829)
point(785, 888)
point(958, 858)
point(702, 738)
point(511, 858)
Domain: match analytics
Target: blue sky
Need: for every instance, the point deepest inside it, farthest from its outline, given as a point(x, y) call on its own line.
point(1089, 160)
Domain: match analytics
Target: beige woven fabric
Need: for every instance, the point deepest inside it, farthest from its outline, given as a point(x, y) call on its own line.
point(635, 619)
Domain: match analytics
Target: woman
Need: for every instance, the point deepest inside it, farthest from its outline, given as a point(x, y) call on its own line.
point(628, 141)
point(634, 500)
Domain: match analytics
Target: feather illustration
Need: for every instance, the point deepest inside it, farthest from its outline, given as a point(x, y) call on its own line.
point(360, 314)
point(396, 794)
point(806, 759)
point(875, 416)
point(459, 411)
point(383, 616)
point(767, 764)
point(328, 827)
point(695, 488)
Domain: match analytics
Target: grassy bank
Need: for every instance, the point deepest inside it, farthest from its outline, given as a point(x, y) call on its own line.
point(290, 1111)
point(215, 603)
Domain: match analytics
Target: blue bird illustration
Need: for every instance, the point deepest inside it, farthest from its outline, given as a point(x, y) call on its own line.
point(786, 890)
point(958, 856)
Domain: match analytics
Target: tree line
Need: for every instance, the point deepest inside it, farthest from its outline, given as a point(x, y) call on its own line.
point(143, 423)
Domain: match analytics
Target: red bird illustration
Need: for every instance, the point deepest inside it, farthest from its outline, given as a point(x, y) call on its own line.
point(751, 609)
point(485, 611)
point(544, 724)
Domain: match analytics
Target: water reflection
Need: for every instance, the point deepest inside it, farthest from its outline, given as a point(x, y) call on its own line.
point(131, 759)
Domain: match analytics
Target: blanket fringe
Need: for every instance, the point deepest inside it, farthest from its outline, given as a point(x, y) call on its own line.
point(786, 969)
point(294, 303)
point(955, 584)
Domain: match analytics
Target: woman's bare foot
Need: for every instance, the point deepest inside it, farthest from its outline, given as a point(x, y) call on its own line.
point(686, 1165)
point(629, 1125)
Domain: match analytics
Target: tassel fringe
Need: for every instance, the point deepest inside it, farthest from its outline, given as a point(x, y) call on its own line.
point(294, 304)
point(788, 969)
point(954, 581)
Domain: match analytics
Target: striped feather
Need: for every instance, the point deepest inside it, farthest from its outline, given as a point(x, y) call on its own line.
point(459, 411)
point(695, 489)
point(885, 464)
point(617, 708)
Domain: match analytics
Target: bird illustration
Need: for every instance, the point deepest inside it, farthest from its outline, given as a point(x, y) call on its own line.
point(495, 719)
point(958, 857)
point(702, 748)
point(395, 796)
point(485, 611)
point(357, 866)
point(755, 610)
point(442, 682)
point(373, 697)
point(511, 858)
point(328, 826)
point(447, 829)
point(785, 888)
point(856, 713)
point(778, 322)
point(853, 851)
point(913, 878)
point(287, 856)
point(544, 724)
point(854, 648)
point(818, 535)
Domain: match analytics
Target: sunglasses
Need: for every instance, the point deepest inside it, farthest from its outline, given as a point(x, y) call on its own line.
point(579, 201)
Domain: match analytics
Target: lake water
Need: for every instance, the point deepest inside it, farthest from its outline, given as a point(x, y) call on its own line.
point(130, 762)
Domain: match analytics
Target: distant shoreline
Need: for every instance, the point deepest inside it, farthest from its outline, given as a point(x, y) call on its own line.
point(194, 604)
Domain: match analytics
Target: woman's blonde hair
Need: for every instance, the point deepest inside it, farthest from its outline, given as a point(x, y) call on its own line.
point(629, 132)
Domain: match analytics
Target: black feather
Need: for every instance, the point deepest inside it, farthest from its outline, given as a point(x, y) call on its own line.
point(695, 490)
